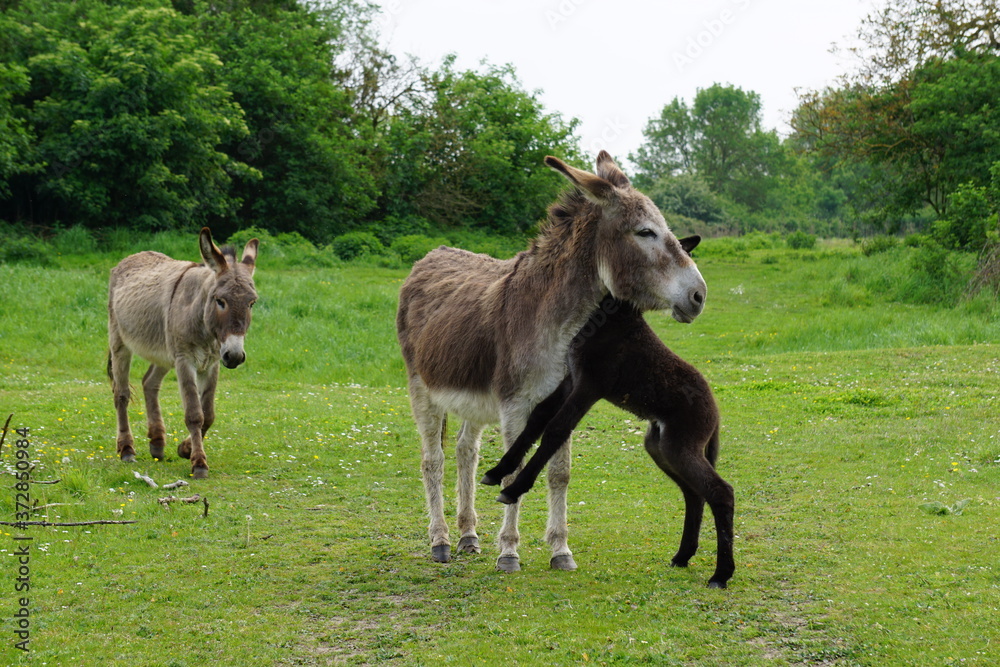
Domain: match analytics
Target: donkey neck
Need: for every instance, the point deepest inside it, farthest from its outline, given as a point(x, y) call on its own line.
point(555, 284)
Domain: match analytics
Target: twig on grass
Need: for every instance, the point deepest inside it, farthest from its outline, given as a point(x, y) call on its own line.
point(3, 436)
point(98, 522)
point(146, 479)
point(175, 485)
point(41, 507)
point(174, 499)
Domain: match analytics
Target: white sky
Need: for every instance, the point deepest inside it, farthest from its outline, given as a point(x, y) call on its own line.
point(615, 63)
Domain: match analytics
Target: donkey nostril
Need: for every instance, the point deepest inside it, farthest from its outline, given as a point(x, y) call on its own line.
point(698, 298)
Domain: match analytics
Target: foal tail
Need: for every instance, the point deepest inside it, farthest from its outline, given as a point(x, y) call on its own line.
point(712, 448)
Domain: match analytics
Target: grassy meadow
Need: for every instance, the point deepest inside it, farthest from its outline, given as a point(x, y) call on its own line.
point(859, 432)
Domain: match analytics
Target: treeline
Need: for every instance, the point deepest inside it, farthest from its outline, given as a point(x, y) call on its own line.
point(285, 115)
point(159, 114)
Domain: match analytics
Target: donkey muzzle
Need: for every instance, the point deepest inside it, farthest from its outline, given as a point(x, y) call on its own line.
point(232, 351)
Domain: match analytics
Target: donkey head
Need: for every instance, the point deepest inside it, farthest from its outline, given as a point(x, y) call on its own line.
point(639, 260)
point(227, 309)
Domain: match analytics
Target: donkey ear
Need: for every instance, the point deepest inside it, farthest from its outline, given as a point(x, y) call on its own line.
point(250, 255)
point(690, 243)
point(609, 171)
point(594, 188)
point(210, 254)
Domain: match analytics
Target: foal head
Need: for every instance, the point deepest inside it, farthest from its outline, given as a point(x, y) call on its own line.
point(227, 309)
point(639, 260)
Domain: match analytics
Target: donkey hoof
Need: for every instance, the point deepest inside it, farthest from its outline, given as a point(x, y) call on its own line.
point(156, 451)
point(563, 562)
point(184, 450)
point(490, 480)
point(508, 564)
point(199, 472)
point(716, 584)
point(469, 544)
point(441, 553)
point(505, 499)
point(128, 458)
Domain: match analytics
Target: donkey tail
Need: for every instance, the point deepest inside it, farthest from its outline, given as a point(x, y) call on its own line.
point(111, 376)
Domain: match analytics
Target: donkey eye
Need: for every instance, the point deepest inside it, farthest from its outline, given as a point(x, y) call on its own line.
point(221, 304)
point(646, 233)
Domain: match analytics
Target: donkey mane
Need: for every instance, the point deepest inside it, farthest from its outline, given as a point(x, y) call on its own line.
point(566, 217)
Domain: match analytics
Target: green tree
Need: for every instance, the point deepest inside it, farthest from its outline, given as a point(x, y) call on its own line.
point(127, 116)
point(469, 151)
point(317, 178)
point(719, 142)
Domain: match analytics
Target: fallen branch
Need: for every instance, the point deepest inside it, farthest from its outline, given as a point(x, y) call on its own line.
point(175, 485)
point(99, 522)
point(147, 480)
point(50, 481)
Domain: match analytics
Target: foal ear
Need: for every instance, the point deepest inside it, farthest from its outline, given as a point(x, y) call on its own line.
point(250, 255)
point(210, 254)
point(609, 171)
point(690, 243)
point(594, 188)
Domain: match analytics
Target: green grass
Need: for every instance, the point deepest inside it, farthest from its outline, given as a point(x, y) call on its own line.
point(843, 414)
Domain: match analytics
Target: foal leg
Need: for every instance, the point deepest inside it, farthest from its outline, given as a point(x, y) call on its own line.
point(156, 431)
point(431, 423)
point(557, 431)
point(537, 422)
point(119, 363)
point(688, 465)
point(467, 458)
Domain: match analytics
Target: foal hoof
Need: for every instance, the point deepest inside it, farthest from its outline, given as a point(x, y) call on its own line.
point(156, 451)
point(469, 544)
point(128, 458)
point(490, 480)
point(199, 473)
point(508, 564)
point(441, 553)
point(563, 562)
point(716, 584)
point(505, 499)
point(184, 450)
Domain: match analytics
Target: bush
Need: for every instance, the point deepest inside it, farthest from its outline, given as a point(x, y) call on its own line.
point(878, 244)
point(353, 245)
point(412, 247)
point(800, 240)
point(75, 240)
point(24, 250)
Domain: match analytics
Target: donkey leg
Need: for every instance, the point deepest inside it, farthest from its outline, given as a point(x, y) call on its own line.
point(119, 363)
point(467, 455)
point(557, 531)
point(537, 422)
point(192, 447)
point(431, 424)
point(513, 417)
point(156, 431)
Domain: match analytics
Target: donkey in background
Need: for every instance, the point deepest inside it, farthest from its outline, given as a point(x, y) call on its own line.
point(487, 339)
point(180, 315)
point(618, 357)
